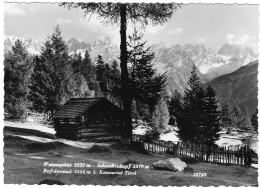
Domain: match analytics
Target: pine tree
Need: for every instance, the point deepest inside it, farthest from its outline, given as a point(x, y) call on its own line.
point(88, 70)
point(175, 108)
point(146, 85)
point(245, 122)
point(37, 93)
point(81, 76)
point(226, 117)
point(18, 65)
point(56, 74)
point(236, 117)
point(190, 122)
point(135, 113)
point(115, 81)
point(108, 79)
point(212, 123)
point(102, 72)
point(254, 120)
point(77, 63)
point(164, 116)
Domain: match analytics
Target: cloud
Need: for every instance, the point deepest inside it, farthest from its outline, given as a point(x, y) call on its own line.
point(63, 21)
point(200, 40)
point(95, 26)
point(243, 40)
point(154, 29)
point(175, 31)
point(11, 9)
point(230, 37)
point(239, 40)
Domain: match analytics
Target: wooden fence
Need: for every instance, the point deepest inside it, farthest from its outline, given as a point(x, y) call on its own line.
point(239, 155)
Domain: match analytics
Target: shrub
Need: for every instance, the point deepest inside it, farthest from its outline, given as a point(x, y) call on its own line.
point(98, 149)
point(170, 152)
point(152, 134)
point(190, 160)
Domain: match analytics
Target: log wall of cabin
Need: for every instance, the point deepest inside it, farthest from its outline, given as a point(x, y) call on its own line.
point(97, 124)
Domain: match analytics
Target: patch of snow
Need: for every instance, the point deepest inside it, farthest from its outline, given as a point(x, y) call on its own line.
point(80, 144)
point(34, 138)
point(140, 130)
point(19, 154)
point(171, 136)
point(227, 141)
point(33, 126)
point(36, 157)
point(254, 145)
point(69, 156)
point(206, 67)
point(225, 58)
point(77, 144)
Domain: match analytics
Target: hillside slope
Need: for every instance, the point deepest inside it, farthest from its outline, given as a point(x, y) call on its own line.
point(238, 87)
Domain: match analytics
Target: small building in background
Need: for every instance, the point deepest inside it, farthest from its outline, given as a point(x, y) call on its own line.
point(88, 119)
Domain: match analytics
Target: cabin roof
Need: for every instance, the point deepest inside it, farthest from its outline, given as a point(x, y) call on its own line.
point(75, 107)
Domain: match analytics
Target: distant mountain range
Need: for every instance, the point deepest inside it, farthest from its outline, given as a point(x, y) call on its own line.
point(177, 60)
point(239, 87)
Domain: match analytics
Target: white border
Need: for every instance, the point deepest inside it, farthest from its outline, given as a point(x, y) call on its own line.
point(146, 1)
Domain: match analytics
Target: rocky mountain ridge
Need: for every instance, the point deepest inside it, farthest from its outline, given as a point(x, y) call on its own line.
point(177, 60)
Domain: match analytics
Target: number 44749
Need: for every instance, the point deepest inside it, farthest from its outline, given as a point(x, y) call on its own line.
point(199, 174)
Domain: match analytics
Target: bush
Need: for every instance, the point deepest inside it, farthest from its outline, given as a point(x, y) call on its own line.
point(151, 135)
point(190, 160)
point(98, 149)
point(168, 152)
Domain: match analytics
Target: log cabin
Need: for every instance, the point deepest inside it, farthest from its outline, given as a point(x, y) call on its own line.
point(88, 119)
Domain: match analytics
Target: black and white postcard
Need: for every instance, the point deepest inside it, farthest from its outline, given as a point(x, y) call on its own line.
point(130, 93)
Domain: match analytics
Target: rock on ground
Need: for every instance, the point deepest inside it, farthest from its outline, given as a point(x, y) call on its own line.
point(172, 164)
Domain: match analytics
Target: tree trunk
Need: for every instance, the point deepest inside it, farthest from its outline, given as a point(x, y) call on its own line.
point(126, 95)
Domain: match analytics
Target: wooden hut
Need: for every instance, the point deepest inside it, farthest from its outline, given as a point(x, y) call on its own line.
point(88, 119)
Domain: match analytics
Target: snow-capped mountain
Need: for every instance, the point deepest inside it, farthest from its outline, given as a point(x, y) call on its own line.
point(103, 46)
point(33, 46)
point(177, 60)
point(76, 46)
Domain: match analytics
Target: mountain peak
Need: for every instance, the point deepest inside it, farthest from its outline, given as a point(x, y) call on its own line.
point(234, 50)
point(104, 40)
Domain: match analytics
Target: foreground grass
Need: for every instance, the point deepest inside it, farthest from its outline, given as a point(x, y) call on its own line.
point(24, 165)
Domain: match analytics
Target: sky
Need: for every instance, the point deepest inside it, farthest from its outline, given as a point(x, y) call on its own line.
point(212, 25)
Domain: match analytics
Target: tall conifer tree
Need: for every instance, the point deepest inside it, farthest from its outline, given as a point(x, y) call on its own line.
point(17, 68)
point(55, 71)
point(191, 120)
point(120, 13)
point(211, 126)
point(254, 120)
point(175, 108)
